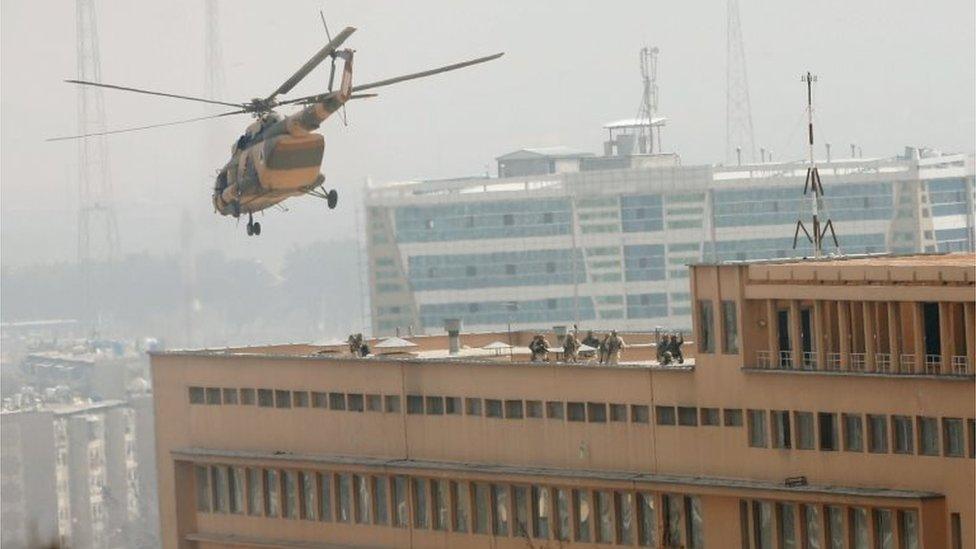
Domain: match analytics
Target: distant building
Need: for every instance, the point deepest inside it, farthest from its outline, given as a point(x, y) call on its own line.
point(28, 490)
point(822, 403)
point(563, 237)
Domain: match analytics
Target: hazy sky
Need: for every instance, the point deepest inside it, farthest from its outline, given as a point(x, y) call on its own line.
point(892, 73)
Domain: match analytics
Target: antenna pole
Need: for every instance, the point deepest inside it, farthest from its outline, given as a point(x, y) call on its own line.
point(814, 186)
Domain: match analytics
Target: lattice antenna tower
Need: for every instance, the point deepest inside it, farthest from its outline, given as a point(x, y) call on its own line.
point(819, 227)
point(738, 110)
point(648, 106)
point(98, 233)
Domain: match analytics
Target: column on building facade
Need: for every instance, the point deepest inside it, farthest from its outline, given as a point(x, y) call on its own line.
point(946, 343)
point(969, 319)
point(918, 335)
point(870, 336)
point(894, 334)
point(844, 333)
point(820, 333)
point(796, 341)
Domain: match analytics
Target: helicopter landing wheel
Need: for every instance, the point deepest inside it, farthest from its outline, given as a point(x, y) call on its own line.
point(250, 229)
point(256, 229)
point(332, 198)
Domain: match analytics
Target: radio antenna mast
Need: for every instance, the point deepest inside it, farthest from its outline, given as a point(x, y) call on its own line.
point(813, 185)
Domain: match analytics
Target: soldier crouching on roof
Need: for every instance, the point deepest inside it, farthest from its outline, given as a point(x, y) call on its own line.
point(539, 348)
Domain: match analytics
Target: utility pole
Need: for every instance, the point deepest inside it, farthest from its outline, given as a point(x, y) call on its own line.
point(738, 110)
point(98, 233)
point(812, 184)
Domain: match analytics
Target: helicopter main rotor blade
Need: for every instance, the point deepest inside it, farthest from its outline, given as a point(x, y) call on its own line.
point(149, 92)
point(138, 128)
point(423, 74)
point(309, 65)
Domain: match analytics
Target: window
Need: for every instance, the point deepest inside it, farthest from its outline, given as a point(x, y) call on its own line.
point(510, 269)
point(928, 436)
point(452, 405)
point(382, 512)
point(320, 400)
point(733, 417)
point(345, 497)
point(687, 416)
point(309, 506)
point(461, 496)
point(550, 267)
point(435, 406)
point(853, 433)
point(706, 343)
point(952, 437)
point(709, 416)
point(786, 524)
point(508, 220)
point(354, 402)
point(811, 525)
point(762, 524)
point(197, 395)
point(541, 505)
point(499, 496)
point(255, 492)
point(230, 396)
point(884, 529)
point(533, 408)
point(583, 511)
point(392, 404)
point(364, 507)
point(415, 404)
point(282, 399)
point(218, 484)
point(420, 518)
point(804, 431)
point(265, 398)
point(972, 437)
point(247, 397)
point(901, 427)
point(203, 486)
point(859, 528)
point(555, 410)
point(213, 395)
point(647, 520)
point(563, 514)
point(575, 411)
point(623, 503)
point(551, 304)
point(236, 485)
point(828, 430)
point(337, 401)
point(730, 328)
point(471, 270)
point(780, 421)
point(374, 403)
point(672, 516)
point(439, 496)
point(301, 399)
point(400, 510)
point(481, 508)
point(289, 494)
point(604, 513)
point(472, 406)
point(640, 413)
point(878, 434)
point(836, 533)
point(664, 415)
point(271, 490)
point(513, 409)
point(696, 527)
point(618, 412)
point(908, 529)
point(757, 428)
point(493, 408)
point(596, 412)
point(547, 217)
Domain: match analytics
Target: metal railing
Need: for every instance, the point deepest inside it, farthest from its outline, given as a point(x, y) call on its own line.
point(764, 359)
point(907, 364)
point(809, 360)
point(833, 362)
point(857, 362)
point(786, 360)
point(961, 365)
point(933, 364)
point(884, 363)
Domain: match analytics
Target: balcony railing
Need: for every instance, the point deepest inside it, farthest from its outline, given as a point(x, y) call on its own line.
point(884, 363)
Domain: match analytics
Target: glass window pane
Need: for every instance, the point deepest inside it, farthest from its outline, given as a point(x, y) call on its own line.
point(853, 433)
point(665, 415)
point(255, 492)
point(382, 505)
point(247, 397)
point(672, 510)
point(345, 497)
point(878, 434)
point(757, 428)
point(500, 499)
point(693, 511)
point(762, 517)
point(575, 411)
point(203, 488)
point(282, 399)
point(364, 501)
point(811, 517)
point(928, 436)
point(392, 404)
point(213, 395)
point(605, 507)
point(624, 506)
point(786, 526)
point(461, 494)
point(521, 510)
point(953, 437)
point(439, 496)
point(218, 481)
point(541, 508)
point(804, 431)
point(555, 410)
point(400, 510)
point(420, 517)
point(640, 413)
point(563, 514)
point(265, 398)
point(883, 530)
point(481, 508)
point(290, 495)
point(827, 423)
point(309, 503)
point(903, 434)
point(197, 395)
point(583, 511)
point(493, 408)
point(513, 409)
point(730, 328)
point(835, 523)
point(908, 528)
point(648, 520)
point(230, 396)
point(236, 486)
point(859, 527)
point(472, 406)
point(271, 488)
point(326, 484)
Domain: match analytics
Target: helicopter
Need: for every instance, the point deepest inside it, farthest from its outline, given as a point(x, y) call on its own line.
point(279, 157)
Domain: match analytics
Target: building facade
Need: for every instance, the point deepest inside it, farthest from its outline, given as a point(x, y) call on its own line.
point(564, 238)
point(822, 404)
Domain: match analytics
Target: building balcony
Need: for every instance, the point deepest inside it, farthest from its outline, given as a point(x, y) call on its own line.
point(857, 363)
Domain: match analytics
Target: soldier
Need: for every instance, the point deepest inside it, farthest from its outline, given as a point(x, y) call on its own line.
point(664, 351)
point(675, 348)
point(570, 347)
point(539, 348)
point(591, 340)
point(614, 346)
point(601, 348)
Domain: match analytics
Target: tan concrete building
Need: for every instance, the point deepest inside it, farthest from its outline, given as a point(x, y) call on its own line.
point(825, 404)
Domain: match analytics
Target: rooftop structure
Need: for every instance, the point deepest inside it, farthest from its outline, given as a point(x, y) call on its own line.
point(796, 420)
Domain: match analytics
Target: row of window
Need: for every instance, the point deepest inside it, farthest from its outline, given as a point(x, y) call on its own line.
point(827, 526)
point(561, 513)
point(855, 432)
